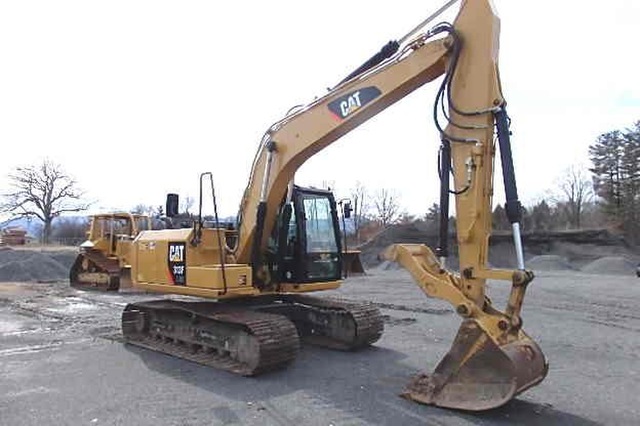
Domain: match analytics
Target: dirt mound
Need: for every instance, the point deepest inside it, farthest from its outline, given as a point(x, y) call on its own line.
point(388, 266)
point(560, 250)
point(31, 265)
point(65, 258)
point(614, 265)
point(549, 262)
point(371, 251)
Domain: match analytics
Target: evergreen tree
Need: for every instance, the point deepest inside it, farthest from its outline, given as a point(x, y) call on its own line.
point(616, 167)
point(541, 217)
point(499, 219)
point(606, 156)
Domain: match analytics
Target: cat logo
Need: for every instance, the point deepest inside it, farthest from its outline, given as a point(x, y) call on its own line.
point(177, 264)
point(176, 253)
point(352, 102)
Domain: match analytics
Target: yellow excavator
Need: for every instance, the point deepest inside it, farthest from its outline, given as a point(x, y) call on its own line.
point(286, 244)
point(103, 262)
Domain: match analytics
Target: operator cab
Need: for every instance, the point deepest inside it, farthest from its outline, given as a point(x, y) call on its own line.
point(305, 244)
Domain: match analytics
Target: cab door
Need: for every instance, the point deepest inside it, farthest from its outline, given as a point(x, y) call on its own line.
point(319, 251)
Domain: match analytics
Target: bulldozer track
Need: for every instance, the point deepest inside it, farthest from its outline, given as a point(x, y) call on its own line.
point(102, 265)
point(275, 337)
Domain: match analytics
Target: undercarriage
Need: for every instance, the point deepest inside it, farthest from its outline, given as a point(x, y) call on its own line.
point(250, 337)
point(92, 270)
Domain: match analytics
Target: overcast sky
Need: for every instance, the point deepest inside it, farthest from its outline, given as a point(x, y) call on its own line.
point(136, 98)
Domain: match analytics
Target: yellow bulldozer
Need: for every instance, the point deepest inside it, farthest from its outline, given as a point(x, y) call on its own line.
point(103, 262)
point(254, 279)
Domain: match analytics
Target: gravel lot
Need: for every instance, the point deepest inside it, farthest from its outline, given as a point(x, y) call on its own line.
point(62, 362)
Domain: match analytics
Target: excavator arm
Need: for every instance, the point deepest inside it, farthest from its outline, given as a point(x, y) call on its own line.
point(297, 137)
point(491, 359)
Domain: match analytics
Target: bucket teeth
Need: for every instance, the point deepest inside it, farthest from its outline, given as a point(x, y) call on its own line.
point(478, 374)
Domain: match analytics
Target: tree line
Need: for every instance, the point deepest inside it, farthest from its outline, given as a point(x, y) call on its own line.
point(606, 194)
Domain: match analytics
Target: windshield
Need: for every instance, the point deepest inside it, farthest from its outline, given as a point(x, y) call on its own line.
point(142, 223)
point(321, 237)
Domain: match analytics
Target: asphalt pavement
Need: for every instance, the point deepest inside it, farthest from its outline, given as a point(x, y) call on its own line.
point(63, 362)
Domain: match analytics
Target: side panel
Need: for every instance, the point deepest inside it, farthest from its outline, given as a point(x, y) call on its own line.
point(212, 276)
point(150, 261)
point(167, 261)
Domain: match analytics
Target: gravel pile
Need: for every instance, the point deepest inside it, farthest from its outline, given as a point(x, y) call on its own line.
point(65, 257)
point(32, 265)
point(590, 251)
point(611, 265)
point(549, 262)
point(386, 265)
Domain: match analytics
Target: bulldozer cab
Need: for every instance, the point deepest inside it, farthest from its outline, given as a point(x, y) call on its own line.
point(305, 243)
point(108, 233)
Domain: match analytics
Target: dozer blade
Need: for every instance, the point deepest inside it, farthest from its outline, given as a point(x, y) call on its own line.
point(478, 374)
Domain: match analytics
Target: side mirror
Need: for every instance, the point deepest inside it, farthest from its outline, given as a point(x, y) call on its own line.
point(347, 209)
point(172, 205)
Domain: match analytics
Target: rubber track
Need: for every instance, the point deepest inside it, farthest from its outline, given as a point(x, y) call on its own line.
point(368, 320)
point(277, 336)
point(107, 265)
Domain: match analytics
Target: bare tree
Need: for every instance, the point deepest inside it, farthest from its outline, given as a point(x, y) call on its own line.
point(145, 209)
point(386, 206)
point(70, 231)
point(44, 191)
point(406, 218)
point(576, 191)
point(186, 204)
point(360, 204)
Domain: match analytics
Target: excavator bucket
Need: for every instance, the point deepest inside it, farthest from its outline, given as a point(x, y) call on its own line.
point(351, 262)
point(478, 374)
